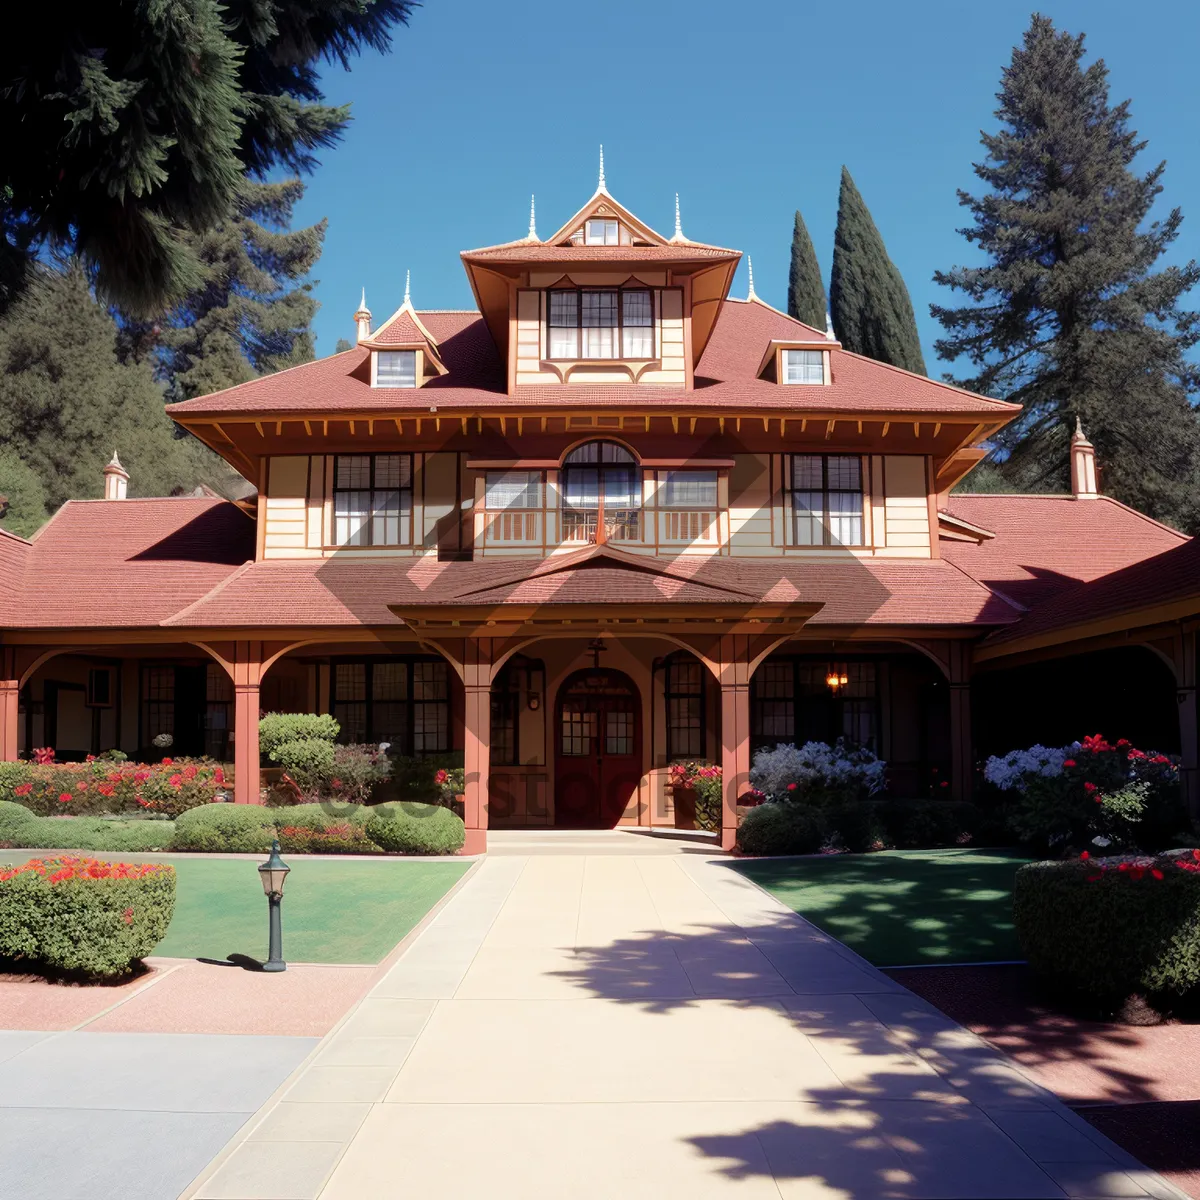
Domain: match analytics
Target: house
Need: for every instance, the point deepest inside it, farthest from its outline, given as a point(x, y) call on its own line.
point(609, 519)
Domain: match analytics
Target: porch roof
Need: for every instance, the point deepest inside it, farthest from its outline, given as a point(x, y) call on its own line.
point(358, 591)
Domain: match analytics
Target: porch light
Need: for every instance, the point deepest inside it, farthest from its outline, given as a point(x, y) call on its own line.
point(274, 873)
point(837, 678)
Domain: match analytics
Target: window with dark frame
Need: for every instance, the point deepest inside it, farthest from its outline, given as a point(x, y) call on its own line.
point(824, 493)
point(372, 499)
point(593, 324)
point(683, 691)
point(792, 702)
point(404, 702)
point(218, 708)
point(158, 703)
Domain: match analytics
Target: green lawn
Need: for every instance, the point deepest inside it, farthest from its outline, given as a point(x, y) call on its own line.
point(902, 907)
point(333, 912)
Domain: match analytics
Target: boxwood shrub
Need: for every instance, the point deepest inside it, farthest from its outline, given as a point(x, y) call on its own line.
point(16, 823)
point(782, 827)
point(1112, 929)
point(410, 828)
point(83, 916)
point(921, 824)
point(228, 828)
point(324, 829)
point(274, 729)
point(97, 833)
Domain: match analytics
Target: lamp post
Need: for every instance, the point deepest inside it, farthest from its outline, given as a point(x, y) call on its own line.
point(273, 873)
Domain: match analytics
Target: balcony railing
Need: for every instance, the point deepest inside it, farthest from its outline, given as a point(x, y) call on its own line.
point(514, 527)
point(580, 525)
point(688, 525)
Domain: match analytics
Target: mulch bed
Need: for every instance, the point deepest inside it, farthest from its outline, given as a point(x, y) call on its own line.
point(1140, 1085)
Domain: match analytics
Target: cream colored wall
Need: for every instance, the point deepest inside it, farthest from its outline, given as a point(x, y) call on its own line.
point(906, 505)
point(751, 523)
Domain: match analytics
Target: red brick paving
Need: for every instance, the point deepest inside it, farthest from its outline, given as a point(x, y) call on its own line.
point(182, 996)
point(1145, 1080)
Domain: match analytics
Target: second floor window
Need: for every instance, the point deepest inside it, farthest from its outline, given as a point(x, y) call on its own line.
point(601, 490)
point(601, 324)
point(826, 499)
point(689, 489)
point(803, 366)
point(396, 368)
point(372, 500)
point(600, 232)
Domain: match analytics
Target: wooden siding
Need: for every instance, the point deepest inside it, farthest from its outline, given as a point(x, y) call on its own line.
point(906, 505)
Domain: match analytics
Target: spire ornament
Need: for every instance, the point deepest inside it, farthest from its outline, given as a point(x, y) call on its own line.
point(751, 294)
point(829, 327)
point(362, 318)
point(602, 186)
point(407, 291)
point(533, 237)
point(677, 236)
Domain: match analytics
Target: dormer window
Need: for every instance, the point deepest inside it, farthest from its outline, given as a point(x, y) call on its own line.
point(396, 368)
point(803, 366)
point(601, 324)
point(599, 232)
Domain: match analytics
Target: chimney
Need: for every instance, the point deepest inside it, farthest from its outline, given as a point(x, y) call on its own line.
point(1083, 465)
point(363, 319)
point(116, 480)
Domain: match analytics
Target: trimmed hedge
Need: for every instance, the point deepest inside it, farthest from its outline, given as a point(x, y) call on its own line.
point(82, 915)
point(782, 827)
point(1110, 929)
point(922, 824)
point(228, 828)
point(274, 729)
point(16, 822)
point(98, 833)
point(324, 829)
point(410, 828)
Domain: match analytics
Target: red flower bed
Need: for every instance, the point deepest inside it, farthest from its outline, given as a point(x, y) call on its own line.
point(83, 915)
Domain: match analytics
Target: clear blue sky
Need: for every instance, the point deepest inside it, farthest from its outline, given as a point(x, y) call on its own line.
point(748, 110)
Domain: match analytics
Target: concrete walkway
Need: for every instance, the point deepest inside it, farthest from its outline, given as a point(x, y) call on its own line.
point(603, 1026)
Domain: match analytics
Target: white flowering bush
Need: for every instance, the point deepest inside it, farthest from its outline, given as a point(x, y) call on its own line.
point(817, 772)
point(1014, 770)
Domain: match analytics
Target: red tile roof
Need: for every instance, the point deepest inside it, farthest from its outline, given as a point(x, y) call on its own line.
point(357, 591)
point(14, 554)
point(1044, 544)
point(1154, 583)
point(400, 331)
point(726, 377)
point(521, 252)
point(128, 563)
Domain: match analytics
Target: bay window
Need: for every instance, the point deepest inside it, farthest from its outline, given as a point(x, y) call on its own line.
point(600, 324)
point(372, 500)
point(825, 496)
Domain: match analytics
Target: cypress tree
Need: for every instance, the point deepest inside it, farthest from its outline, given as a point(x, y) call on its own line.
point(22, 497)
point(806, 292)
point(125, 124)
point(67, 400)
point(1069, 316)
point(253, 314)
point(872, 312)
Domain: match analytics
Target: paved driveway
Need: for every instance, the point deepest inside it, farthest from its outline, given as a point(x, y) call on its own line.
point(647, 1028)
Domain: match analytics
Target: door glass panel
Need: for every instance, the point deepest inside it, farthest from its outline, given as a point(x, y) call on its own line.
point(578, 733)
point(618, 733)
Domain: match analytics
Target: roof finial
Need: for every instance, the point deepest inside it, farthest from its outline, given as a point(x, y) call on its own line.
point(407, 292)
point(750, 267)
point(363, 310)
point(533, 237)
point(1079, 434)
point(602, 187)
point(678, 227)
point(829, 326)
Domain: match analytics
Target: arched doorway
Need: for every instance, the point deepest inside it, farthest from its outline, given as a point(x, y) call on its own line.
point(597, 748)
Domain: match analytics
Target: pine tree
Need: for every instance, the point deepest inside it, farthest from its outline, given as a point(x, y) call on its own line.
point(67, 401)
point(806, 292)
point(22, 497)
point(1070, 317)
point(343, 344)
point(871, 308)
point(253, 315)
point(124, 124)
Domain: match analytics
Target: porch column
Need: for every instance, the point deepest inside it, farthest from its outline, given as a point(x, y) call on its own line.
point(961, 752)
point(477, 736)
point(1189, 721)
point(247, 675)
point(10, 688)
point(735, 751)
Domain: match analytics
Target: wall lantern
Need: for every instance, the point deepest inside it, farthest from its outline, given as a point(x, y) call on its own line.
point(274, 873)
point(535, 701)
point(836, 678)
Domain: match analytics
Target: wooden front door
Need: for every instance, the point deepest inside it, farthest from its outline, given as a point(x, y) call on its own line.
point(597, 748)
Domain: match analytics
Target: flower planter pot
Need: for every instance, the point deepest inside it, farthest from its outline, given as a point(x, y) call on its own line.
point(684, 801)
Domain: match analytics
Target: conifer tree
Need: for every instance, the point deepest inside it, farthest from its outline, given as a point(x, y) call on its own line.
point(806, 292)
point(343, 344)
point(871, 308)
point(123, 124)
point(22, 497)
point(253, 314)
point(67, 401)
point(1070, 315)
